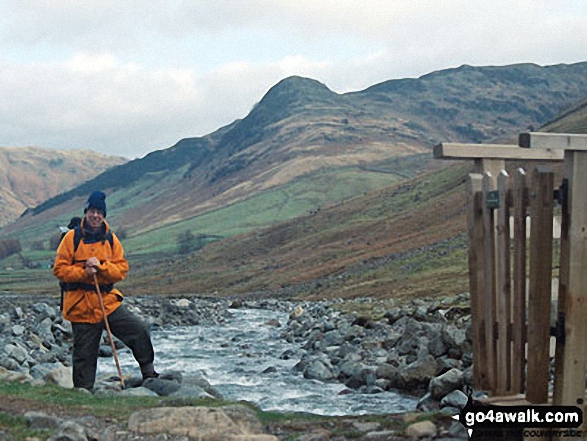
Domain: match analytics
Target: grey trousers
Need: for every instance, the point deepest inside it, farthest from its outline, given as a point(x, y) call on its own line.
point(125, 326)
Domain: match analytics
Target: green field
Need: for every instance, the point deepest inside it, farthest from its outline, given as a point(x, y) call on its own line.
point(298, 198)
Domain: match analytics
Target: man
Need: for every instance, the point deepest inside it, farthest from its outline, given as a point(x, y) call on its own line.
point(97, 251)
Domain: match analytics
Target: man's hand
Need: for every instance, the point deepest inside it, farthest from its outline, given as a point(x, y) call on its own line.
point(92, 265)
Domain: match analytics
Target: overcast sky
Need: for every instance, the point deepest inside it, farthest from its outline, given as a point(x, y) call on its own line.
point(128, 77)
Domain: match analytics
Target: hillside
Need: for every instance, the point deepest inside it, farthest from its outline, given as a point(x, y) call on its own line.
point(402, 240)
point(405, 240)
point(573, 120)
point(301, 128)
point(314, 193)
point(30, 175)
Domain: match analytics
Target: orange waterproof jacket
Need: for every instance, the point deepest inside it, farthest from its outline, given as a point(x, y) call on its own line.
point(81, 302)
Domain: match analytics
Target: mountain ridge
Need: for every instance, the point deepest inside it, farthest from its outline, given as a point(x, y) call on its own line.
point(301, 130)
point(319, 218)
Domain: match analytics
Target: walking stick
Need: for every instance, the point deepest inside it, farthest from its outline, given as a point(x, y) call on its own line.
point(108, 331)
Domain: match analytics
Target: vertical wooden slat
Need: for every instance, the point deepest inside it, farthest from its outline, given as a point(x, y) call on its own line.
point(519, 282)
point(539, 299)
point(476, 279)
point(575, 353)
point(563, 282)
point(503, 286)
point(489, 283)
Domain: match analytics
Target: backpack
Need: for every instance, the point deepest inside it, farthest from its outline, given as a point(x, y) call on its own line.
point(77, 237)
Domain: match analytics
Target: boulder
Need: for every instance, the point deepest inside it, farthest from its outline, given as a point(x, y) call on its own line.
point(423, 429)
point(69, 431)
point(40, 420)
point(161, 386)
point(455, 399)
point(202, 423)
point(445, 383)
point(318, 370)
point(417, 375)
point(428, 404)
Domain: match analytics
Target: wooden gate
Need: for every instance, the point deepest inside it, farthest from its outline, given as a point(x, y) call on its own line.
point(510, 230)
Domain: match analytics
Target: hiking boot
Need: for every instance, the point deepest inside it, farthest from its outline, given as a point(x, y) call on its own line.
point(148, 371)
point(150, 375)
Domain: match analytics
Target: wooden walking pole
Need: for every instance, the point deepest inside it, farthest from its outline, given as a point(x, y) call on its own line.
point(108, 331)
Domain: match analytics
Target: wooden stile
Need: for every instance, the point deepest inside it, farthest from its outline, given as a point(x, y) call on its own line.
point(510, 309)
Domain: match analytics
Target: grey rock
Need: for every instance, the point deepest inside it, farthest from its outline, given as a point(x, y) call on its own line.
point(203, 384)
point(455, 399)
point(382, 435)
point(60, 375)
point(427, 403)
point(139, 392)
point(437, 347)
point(41, 369)
point(69, 431)
point(458, 431)
point(9, 363)
point(319, 436)
point(17, 313)
point(190, 391)
point(417, 375)
point(362, 376)
point(445, 383)
point(422, 429)
point(40, 420)
point(161, 387)
point(318, 370)
point(17, 353)
point(18, 330)
point(387, 371)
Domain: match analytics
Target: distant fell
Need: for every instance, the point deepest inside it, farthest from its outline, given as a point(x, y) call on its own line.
point(31, 175)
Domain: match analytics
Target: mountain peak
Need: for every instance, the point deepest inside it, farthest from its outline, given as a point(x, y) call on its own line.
point(286, 98)
point(296, 90)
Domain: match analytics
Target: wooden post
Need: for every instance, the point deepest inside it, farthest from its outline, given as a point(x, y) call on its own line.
point(489, 282)
point(519, 282)
point(539, 302)
point(571, 351)
point(491, 166)
point(563, 283)
point(503, 286)
point(476, 280)
point(575, 248)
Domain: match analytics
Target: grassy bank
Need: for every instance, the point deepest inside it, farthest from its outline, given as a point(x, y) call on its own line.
point(16, 399)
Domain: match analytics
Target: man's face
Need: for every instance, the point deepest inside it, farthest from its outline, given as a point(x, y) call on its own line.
point(94, 218)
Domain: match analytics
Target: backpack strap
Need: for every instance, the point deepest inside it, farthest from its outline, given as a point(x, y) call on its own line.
point(77, 237)
point(110, 239)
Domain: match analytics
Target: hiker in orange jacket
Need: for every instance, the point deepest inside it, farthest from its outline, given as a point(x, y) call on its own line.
point(88, 250)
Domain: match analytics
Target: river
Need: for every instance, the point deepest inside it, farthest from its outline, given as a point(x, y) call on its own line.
point(242, 360)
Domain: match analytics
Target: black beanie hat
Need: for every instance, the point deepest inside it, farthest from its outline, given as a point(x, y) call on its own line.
point(97, 200)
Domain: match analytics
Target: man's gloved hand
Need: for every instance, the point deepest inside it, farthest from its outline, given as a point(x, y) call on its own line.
point(92, 265)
